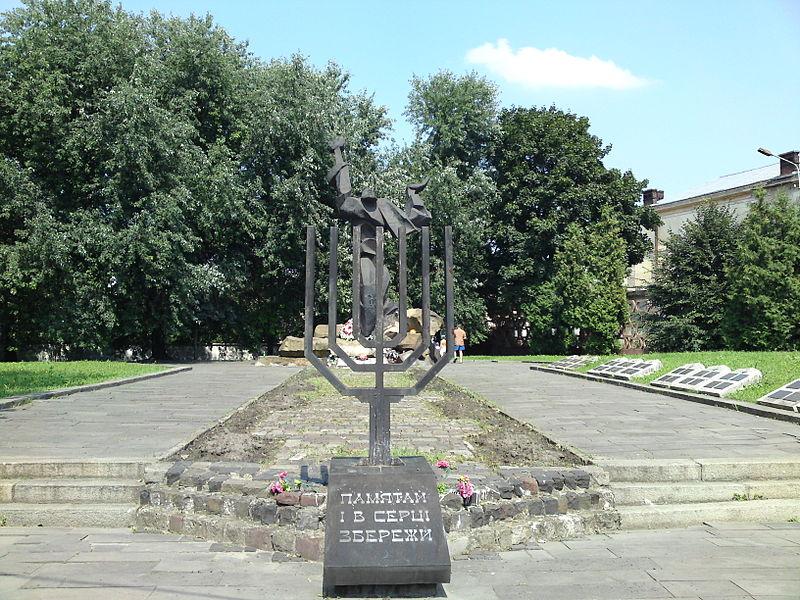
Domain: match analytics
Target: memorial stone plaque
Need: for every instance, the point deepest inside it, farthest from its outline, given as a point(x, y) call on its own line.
point(636, 368)
point(786, 397)
point(626, 368)
point(730, 382)
point(693, 382)
point(607, 368)
point(668, 379)
point(384, 525)
point(573, 362)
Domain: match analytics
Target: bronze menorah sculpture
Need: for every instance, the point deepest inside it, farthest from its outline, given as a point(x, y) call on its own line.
point(371, 217)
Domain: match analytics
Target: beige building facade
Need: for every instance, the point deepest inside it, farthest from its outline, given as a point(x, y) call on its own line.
point(736, 191)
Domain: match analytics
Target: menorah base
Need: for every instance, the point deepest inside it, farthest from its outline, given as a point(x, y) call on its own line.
point(384, 525)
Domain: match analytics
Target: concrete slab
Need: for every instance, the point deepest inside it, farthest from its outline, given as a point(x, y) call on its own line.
point(640, 564)
point(141, 420)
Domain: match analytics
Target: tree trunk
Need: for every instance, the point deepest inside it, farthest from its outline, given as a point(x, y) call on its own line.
point(158, 344)
point(6, 355)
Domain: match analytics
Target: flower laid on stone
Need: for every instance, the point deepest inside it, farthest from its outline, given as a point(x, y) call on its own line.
point(347, 330)
point(276, 487)
point(445, 467)
point(465, 489)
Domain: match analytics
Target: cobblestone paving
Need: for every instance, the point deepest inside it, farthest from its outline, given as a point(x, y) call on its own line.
point(340, 426)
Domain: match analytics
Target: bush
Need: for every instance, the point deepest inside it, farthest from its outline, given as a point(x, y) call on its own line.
point(764, 280)
point(691, 286)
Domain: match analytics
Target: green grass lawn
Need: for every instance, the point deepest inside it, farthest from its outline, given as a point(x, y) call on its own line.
point(529, 357)
point(26, 377)
point(778, 368)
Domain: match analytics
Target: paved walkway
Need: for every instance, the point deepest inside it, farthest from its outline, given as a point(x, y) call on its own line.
point(723, 562)
point(144, 420)
point(141, 420)
point(614, 422)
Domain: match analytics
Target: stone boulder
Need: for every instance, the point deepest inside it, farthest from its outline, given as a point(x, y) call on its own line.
point(353, 348)
point(321, 331)
point(294, 346)
point(410, 342)
point(414, 319)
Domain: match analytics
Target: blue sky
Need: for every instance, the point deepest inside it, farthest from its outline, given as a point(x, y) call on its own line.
point(684, 91)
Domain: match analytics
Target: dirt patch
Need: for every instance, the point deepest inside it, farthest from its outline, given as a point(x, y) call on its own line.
point(503, 441)
point(234, 440)
point(305, 415)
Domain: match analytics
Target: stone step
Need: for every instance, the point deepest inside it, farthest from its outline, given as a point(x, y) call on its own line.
point(702, 469)
point(636, 494)
point(685, 515)
point(290, 540)
point(68, 515)
point(63, 491)
point(66, 468)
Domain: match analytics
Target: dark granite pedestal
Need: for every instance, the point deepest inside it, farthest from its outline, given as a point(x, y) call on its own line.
point(384, 525)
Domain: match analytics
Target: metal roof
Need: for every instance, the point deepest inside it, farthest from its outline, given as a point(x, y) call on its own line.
point(729, 182)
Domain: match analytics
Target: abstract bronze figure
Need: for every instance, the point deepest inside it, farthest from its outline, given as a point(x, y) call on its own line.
point(367, 213)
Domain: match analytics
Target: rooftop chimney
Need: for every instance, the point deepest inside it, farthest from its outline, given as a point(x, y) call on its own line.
point(786, 168)
point(652, 196)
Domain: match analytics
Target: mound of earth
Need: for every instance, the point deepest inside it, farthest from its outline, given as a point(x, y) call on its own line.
point(305, 418)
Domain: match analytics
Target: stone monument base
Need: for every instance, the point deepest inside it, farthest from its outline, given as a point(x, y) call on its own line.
point(384, 525)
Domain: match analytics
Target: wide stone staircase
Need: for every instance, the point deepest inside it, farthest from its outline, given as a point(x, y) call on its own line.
point(75, 493)
point(658, 494)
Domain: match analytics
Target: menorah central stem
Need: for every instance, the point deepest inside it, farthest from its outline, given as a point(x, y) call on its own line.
point(380, 440)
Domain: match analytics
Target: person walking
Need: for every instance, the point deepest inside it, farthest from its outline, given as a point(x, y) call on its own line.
point(459, 343)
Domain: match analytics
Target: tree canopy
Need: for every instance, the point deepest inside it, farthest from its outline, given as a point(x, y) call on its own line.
point(549, 173)
point(588, 289)
point(764, 279)
point(156, 180)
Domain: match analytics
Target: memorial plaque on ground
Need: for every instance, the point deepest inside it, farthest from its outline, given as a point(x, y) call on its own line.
point(731, 382)
point(667, 379)
point(384, 525)
point(573, 362)
point(604, 369)
point(692, 383)
point(622, 368)
point(636, 368)
point(786, 397)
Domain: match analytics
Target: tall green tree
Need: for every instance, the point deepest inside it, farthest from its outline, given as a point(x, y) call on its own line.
point(589, 303)
point(296, 111)
point(691, 284)
point(549, 172)
point(455, 118)
point(764, 279)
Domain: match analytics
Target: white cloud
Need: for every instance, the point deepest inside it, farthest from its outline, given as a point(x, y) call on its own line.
point(551, 68)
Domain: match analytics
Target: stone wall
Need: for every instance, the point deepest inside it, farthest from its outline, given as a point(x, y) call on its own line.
point(231, 502)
